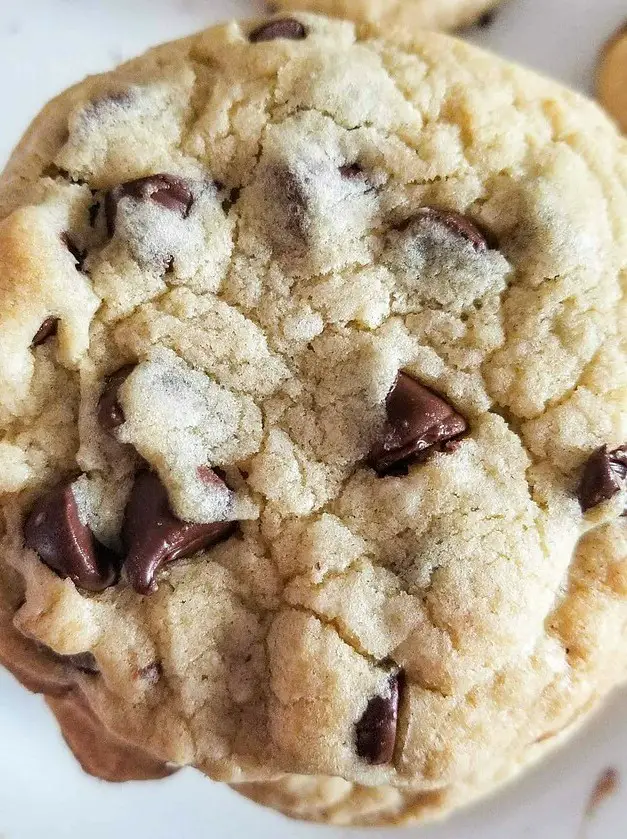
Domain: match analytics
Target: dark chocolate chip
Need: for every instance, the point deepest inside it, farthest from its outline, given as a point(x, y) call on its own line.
point(73, 248)
point(287, 27)
point(375, 733)
point(110, 414)
point(486, 20)
point(418, 420)
point(167, 190)
point(604, 475)
point(67, 546)
point(154, 536)
point(456, 223)
point(47, 329)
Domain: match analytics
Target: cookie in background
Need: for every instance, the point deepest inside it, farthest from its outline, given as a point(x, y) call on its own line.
point(612, 77)
point(402, 15)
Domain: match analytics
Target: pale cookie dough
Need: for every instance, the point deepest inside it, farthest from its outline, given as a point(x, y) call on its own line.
point(313, 379)
point(596, 584)
point(612, 77)
point(397, 15)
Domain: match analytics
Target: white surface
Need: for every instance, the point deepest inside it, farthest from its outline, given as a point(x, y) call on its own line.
point(46, 45)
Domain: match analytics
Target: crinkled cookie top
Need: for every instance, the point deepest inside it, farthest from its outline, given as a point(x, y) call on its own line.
point(313, 382)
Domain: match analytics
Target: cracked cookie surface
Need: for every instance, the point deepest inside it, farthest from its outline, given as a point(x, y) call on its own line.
point(397, 15)
point(313, 355)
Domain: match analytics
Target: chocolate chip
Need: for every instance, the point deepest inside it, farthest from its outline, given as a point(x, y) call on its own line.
point(167, 190)
point(375, 733)
point(274, 29)
point(54, 530)
point(76, 252)
point(455, 222)
point(47, 329)
point(418, 420)
point(604, 475)
point(110, 414)
point(154, 536)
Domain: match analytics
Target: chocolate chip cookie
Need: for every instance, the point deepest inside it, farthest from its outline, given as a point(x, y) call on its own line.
point(397, 15)
point(313, 407)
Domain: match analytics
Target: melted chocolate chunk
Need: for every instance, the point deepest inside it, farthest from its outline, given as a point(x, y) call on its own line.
point(604, 475)
point(418, 420)
point(67, 546)
point(47, 329)
point(455, 222)
point(288, 28)
point(154, 536)
point(110, 413)
point(167, 190)
point(375, 733)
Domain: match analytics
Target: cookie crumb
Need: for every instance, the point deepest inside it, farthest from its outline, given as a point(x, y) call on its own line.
point(607, 785)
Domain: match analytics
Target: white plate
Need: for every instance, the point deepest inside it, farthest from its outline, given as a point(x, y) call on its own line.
point(46, 45)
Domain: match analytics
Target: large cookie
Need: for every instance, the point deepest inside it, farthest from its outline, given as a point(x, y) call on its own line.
point(313, 379)
point(397, 15)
